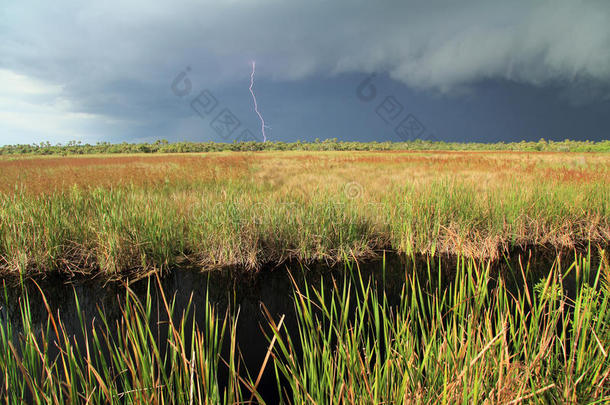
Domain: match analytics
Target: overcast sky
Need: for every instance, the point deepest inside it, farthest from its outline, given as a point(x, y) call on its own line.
point(355, 70)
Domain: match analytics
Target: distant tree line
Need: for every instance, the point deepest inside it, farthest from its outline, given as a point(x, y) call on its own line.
point(163, 146)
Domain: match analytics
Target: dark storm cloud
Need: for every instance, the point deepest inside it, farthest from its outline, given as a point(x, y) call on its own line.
point(117, 58)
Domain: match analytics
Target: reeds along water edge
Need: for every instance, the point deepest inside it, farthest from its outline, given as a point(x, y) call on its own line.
point(459, 335)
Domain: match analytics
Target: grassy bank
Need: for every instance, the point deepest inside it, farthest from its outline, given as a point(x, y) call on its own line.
point(468, 339)
point(115, 214)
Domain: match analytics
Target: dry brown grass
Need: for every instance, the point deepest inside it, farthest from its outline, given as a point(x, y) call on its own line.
point(371, 169)
point(45, 175)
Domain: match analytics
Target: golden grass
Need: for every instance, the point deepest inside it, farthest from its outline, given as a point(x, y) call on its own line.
point(50, 174)
point(252, 207)
point(47, 175)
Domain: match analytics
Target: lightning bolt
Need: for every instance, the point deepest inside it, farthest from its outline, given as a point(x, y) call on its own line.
point(263, 126)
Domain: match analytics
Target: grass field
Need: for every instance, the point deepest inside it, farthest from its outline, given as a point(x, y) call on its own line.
point(462, 331)
point(125, 214)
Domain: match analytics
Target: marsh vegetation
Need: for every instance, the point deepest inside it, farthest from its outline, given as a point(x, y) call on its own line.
point(113, 215)
point(462, 333)
point(497, 291)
